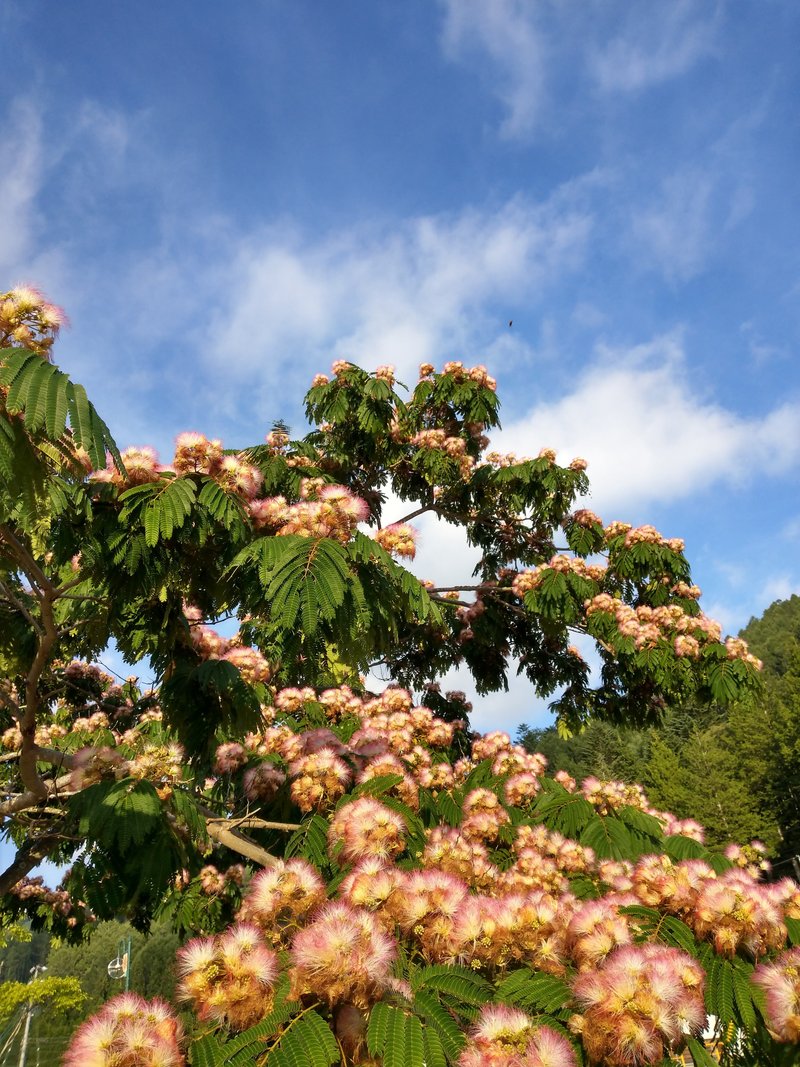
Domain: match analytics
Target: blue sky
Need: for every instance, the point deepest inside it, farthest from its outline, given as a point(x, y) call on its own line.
point(225, 198)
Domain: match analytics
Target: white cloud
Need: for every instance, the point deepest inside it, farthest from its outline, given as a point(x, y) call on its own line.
point(429, 288)
point(674, 232)
point(20, 178)
point(657, 45)
point(506, 31)
point(649, 437)
point(527, 46)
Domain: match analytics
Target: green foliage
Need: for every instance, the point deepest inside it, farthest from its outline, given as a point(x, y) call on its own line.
point(152, 559)
point(48, 401)
point(396, 1036)
point(534, 991)
point(59, 995)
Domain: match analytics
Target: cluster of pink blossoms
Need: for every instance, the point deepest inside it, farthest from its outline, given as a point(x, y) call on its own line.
point(28, 320)
point(250, 663)
point(59, 900)
point(213, 881)
point(194, 454)
point(527, 580)
point(460, 373)
point(641, 535)
point(436, 440)
point(152, 762)
point(634, 1002)
point(128, 1031)
point(399, 539)
point(639, 1004)
point(322, 769)
point(780, 981)
point(752, 857)
point(11, 739)
point(610, 796)
point(343, 955)
point(507, 1037)
point(323, 511)
point(229, 978)
point(646, 625)
point(281, 898)
point(366, 827)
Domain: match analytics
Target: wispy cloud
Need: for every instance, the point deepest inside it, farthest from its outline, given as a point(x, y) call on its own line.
point(429, 287)
point(507, 32)
point(655, 45)
point(649, 436)
point(674, 232)
point(523, 47)
point(20, 180)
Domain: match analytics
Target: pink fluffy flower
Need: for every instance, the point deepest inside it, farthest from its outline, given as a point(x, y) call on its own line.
point(780, 981)
point(128, 1031)
point(343, 956)
point(262, 782)
point(399, 539)
point(365, 827)
point(194, 453)
point(141, 465)
point(229, 757)
point(506, 1037)
point(229, 978)
point(639, 1004)
point(282, 897)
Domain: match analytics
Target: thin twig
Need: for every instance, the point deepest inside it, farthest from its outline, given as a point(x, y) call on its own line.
point(20, 606)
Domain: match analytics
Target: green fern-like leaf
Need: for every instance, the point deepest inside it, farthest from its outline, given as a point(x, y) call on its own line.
point(683, 848)
point(676, 933)
point(566, 812)
point(719, 991)
point(743, 996)
point(224, 508)
point(609, 838)
point(434, 1051)
point(168, 509)
point(189, 815)
point(414, 1043)
point(207, 1051)
point(310, 841)
point(793, 928)
point(641, 821)
point(378, 1027)
point(428, 1007)
point(395, 1036)
point(373, 787)
point(534, 991)
point(307, 1041)
point(459, 982)
point(701, 1056)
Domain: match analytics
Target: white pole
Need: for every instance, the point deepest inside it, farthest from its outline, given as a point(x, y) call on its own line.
point(23, 1052)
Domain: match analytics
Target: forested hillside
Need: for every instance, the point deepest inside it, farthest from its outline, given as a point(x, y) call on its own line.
point(736, 771)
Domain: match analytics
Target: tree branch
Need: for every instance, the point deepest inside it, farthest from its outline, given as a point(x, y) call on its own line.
point(26, 561)
point(413, 514)
point(32, 799)
point(47, 638)
point(253, 822)
point(29, 856)
point(237, 842)
point(224, 831)
point(12, 598)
